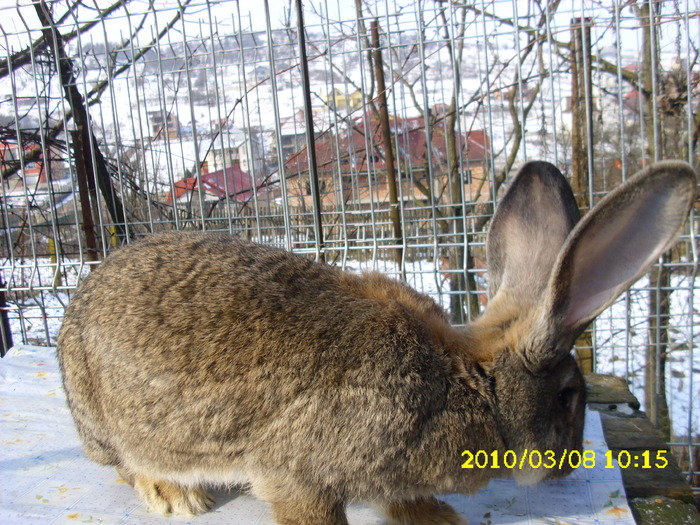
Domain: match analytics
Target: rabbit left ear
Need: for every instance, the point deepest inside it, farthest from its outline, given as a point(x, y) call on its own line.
point(618, 241)
point(527, 231)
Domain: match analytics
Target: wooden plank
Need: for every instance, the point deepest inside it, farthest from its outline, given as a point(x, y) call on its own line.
point(629, 431)
point(606, 389)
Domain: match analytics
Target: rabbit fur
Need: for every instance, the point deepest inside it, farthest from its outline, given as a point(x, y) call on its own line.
point(198, 359)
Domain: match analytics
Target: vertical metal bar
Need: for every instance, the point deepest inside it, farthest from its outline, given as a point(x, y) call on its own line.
point(310, 135)
point(278, 133)
point(694, 250)
point(659, 339)
point(139, 140)
point(193, 118)
point(489, 105)
point(689, 91)
point(369, 147)
point(340, 191)
point(164, 119)
point(247, 129)
point(623, 161)
point(220, 120)
point(548, 25)
point(691, 325)
point(654, 81)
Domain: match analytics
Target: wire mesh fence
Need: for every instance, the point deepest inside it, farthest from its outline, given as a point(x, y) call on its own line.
point(378, 137)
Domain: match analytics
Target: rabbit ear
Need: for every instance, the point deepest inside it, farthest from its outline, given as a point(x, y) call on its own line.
point(527, 231)
point(618, 241)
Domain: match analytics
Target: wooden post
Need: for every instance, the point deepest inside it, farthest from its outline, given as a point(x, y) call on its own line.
point(5, 332)
point(84, 195)
point(581, 138)
point(53, 254)
point(75, 100)
point(582, 121)
point(386, 143)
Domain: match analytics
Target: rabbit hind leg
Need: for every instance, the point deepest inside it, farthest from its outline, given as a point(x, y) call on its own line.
point(422, 511)
point(95, 448)
point(301, 512)
point(170, 498)
point(296, 503)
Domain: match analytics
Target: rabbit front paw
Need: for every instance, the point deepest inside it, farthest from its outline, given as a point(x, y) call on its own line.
point(422, 511)
point(169, 498)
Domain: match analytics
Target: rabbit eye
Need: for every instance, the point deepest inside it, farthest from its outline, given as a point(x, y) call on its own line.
point(566, 397)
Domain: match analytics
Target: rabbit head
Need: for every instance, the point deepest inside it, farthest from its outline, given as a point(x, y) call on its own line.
point(550, 276)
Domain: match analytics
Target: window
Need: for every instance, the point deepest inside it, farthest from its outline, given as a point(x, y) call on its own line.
point(467, 177)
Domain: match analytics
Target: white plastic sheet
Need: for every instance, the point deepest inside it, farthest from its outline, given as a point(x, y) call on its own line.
point(47, 479)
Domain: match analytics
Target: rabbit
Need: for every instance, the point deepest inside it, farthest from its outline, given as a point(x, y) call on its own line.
point(193, 360)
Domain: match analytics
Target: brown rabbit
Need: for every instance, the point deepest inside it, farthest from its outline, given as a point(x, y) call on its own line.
point(192, 360)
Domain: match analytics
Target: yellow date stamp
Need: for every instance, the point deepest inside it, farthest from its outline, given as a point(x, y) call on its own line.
point(549, 459)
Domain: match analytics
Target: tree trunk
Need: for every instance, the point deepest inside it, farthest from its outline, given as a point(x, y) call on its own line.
point(582, 121)
point(98, 169)
point(655, 402)
point(388, 147)
point(581, 133)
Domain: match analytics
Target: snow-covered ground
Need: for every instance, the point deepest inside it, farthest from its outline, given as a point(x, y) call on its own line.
point(621, 338)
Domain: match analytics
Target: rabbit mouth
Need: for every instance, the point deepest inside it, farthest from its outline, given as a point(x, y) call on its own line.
point(534, 469)
point(527, 475)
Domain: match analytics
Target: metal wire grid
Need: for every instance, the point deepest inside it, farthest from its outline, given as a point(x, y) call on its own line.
point(168, 86)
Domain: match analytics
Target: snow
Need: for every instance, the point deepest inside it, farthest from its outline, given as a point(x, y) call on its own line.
point(621, 348)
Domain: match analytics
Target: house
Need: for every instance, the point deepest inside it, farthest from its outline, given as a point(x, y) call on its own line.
point(292, 135)
point(231, 183)
point(219, 158)
point(160, 125)
point(251, 152)
point(351, 166)
point(30, 189)
point(231, 146)
point(343, 102)
point(34, 172)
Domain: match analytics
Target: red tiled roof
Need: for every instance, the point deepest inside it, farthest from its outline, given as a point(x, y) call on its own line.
point(232, 182)
point(412, 146)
